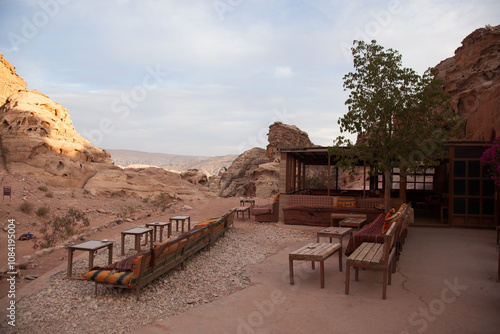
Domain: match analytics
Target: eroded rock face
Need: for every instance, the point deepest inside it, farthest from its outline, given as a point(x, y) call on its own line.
point(284, 135)
point(194, 176)
point(10, 82)
point(256, 172)
point(472, 78)
point(238, 179)
point(37, 137)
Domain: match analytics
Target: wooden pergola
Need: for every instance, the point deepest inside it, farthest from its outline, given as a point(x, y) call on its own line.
point(294, 166)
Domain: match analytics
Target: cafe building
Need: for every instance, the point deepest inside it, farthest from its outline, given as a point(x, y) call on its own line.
point(456, 193)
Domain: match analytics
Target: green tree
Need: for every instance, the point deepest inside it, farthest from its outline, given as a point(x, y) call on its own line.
point(401, 118)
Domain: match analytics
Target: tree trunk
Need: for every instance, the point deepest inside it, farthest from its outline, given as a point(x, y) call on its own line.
point(402, 185)
point(387, 189)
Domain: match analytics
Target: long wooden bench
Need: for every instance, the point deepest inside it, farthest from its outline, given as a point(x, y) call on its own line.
point(144, 267)
point(377, 256)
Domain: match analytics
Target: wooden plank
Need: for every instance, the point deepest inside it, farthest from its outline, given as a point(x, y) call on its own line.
point(364, 251)
point(315, 251)
point(377, 258)
point(369, 258)
point(357, 251)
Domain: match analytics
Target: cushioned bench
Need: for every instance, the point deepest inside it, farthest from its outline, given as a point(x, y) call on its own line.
point(142, 268)
point(317, 210)
point(267, 213)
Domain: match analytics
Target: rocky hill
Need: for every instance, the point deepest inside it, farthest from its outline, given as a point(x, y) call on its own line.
point(255, 173)
point(472, 78)
point(173, 162)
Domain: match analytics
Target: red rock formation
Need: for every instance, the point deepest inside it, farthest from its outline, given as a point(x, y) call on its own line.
point(10, 82)
point(37, 137)
point(284, 135)
point(472, 78)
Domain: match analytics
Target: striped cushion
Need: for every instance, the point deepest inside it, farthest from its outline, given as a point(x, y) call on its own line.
point(346, 202)
point(206, 222)
point(109, 276)
point(123, 265)
point(127, 278)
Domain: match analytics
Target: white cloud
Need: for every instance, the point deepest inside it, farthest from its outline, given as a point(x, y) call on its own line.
point(218, 96)
point(283, 72)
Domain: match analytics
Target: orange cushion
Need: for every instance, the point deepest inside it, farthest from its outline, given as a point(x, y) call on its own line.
point(109, 276)
point(346, 202)
point(206, 222)
point(276, 197)
point(390, 218)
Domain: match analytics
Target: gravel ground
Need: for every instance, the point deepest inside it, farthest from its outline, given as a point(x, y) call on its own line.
point(69, 306)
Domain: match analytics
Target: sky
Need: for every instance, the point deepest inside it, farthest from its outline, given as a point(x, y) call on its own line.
point(208, 77)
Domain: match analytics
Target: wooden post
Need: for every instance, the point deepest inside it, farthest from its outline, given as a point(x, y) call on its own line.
point(329, 173)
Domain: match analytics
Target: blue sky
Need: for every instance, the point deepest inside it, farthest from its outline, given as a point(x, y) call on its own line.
point(208, 77)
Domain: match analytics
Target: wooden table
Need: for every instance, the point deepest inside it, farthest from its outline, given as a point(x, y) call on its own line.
point(91, 246)
point(181, 219)
point(161, 226)
point(344, 216)
point(315, 252)
point(242, 210)
point(137, 232)
point(251, 201)
point(334, 232)
point(352, 222)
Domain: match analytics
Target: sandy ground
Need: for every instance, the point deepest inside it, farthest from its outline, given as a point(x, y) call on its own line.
point(100, 211)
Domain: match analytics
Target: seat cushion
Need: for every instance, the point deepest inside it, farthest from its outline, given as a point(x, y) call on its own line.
point(109, 276)
point(261, 210)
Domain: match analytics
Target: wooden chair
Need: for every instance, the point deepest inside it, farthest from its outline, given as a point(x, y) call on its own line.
point(377, 256)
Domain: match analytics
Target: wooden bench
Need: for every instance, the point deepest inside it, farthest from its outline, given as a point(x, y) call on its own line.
point(377, 256)
point(144, 267)
point(315, 252)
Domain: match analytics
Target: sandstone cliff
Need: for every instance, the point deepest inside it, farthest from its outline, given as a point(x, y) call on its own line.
point(472, 78)
point(284, 135)
point(10, 82)
point(37, 137)
point(38, 140)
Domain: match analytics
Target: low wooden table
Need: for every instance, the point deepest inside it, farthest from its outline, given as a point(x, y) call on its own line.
point(344, 216)
point(315, 252)
point(137, 232)
point(352, 222)
point(334, 232)
point(251, 201)
point(242, 210)
point(91, 246)
point(181, 219)
point(161, 226)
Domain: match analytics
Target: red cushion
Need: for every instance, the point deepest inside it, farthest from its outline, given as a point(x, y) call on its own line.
point(261, 210)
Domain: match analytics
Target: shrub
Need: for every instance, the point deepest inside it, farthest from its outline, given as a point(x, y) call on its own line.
point(162, 202)
point(126, 212)
point(26, 207)
point(43, 211)
point(60, 228)
point(49, 194)
point(43, 188)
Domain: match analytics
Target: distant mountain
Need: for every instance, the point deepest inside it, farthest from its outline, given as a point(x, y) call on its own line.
point(173, 162)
